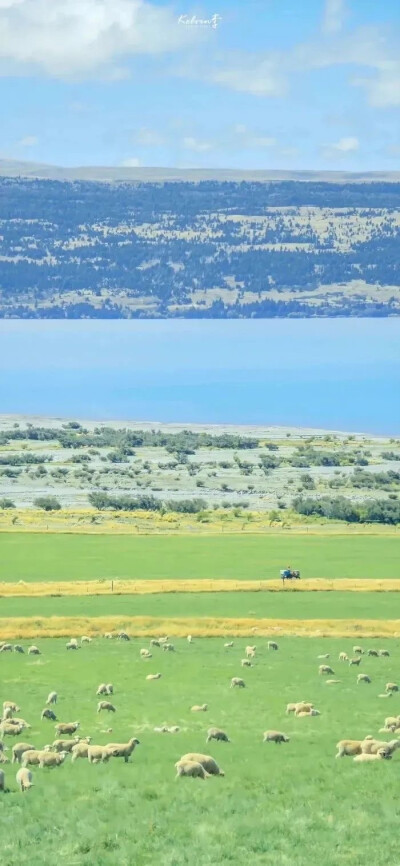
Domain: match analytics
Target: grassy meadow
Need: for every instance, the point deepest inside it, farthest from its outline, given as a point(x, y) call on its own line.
point(276, 805)
point(66, 557)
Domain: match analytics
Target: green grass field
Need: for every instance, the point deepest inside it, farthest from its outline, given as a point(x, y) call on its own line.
point(284, 605)
point(276, 806)
point(36, 557)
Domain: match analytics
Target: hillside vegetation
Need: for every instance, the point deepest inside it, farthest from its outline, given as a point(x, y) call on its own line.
point(205, 248)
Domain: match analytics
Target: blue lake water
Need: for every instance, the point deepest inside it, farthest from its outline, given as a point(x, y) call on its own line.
point(339, 374)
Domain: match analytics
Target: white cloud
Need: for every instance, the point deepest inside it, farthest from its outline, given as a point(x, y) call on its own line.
point(28, 141)
point(148, 137)
point(383, 90)
point(75, 38)
point(342, 148)
point(334, 14)
point(261, 141)
point(250, 74)
point(131, 162)
point(191, 143)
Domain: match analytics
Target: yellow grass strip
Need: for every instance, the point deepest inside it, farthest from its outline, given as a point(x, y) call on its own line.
point(145, 626)
point(152, 587)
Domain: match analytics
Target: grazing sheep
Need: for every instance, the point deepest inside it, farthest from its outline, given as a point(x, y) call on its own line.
point(383, 652)
point(18, 648)
point(163, 730)
point(209, 764)
point(163, 639)
point(48, 714)
point(190, 768)
point(363, 678)
point(174, 729)
point(358, 649)
point(272, 645)
point(6, 648)
point(123, 750)
point(145, 654)
point(72, 645)
point(52, 698)
point(20, 722)
point(199, 708)
point(348, 748)
point(67, 727)
point(110, 688)
point(51, 759)
point(372, 652)
point(343, 657)
point(34, 651)
point(189, 638)
point(31, 757)
point(155, 642)
point(9, 730)
point(65, 745)
point(105, 705)
point(302, 713)
point(24, 779)
point(7, 714)
point(392, 721)
point(332, 682)
point(122, 635)
point(324, 656)
point(229, 644)
point(86, 639)
point(217, 734)
point(109, 635)
point(250, 652)
point(355, 661)
point(275, 737)
point(246, 663)
point(18, 750)
point(387, 695)
point(97, 754)
point(102, 689)
point(391, 687)
point(325, 669)
point(372, 746)
point(79, 750)
point(365, 757)
point(300, 705)
point(12, 706)
point(153, 676)
point(237, 681)
point(168, 647)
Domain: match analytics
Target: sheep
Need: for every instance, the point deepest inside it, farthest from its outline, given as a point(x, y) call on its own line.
point(9, 730)
point(325, 669)
point(145, 654)
point(302, 713)
point(102, 689)
point(4, 759)
point(189, 638)
point(365, 757)
point(391, 687)
point(48, 714)
point(371, 746)
point(355, 661)
point(19, 722)
point(14, 707)
point(100, 753)
point(229, 644)
point(163, 639)
point(86, 639)
point(65, 745)
point(110, 688)
point(18, 648)
point(358, 649)
point(122, 635)
point(163, 730)
point(343, 657)
point(237, 681)
point(18, 750)
point(250, 652)
point(52, 759)
point(217, 734)
point(190, 768)
point(300, 705)
point(155, 642)
point(72, 645)
point(105, 705)
point(348, 748)
point(153, 676)
point(246, 663)
point(209, 764)
point(31, 757)
point(199, 708)
point(2, 780)
point(363, 678)
point(387, 695)
point(332, 682)
point(109, 635)
point(392, 721)
point(7, 714)
point(34, 651)
point(24, 779)
point(272, 645)
point(323, 656)
point(174, 729)
point(52, 698)
point(79, 750)
point(372, 652)
point(123, 750)
point(168, 647)
point(275, 737)
point(67, 727)
point(383, 652)
point(6, 648)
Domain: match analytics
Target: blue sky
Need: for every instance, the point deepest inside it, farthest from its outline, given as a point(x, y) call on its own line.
point(289, 84)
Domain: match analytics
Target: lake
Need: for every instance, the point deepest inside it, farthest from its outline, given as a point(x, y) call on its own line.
point(338, 374)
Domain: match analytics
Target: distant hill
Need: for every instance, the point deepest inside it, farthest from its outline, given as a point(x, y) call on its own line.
point(15, 168)
point(159, 243)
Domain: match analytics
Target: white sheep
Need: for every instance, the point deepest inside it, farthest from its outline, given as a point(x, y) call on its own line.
point(343, 657)
point(193, 769)
point(72, 644)
point(189, 638)
point(217, 734)
point(97, 754)
point(86, 639)
point(237, 681)
point(153, 676)
point(105, 705)
point(365, 757)
point(250, 652)
point(358, 649)
point(52, 759)
point(199, 708)
point(123, 750)
point(272, 645)
point(391, 687)
point(325, 669)
point(52, 698)
point(24, 779)
point(246, 663)
point(275, 737)
point(209, 764)
point(229, 644)
point(363, 678)
point(34, 651)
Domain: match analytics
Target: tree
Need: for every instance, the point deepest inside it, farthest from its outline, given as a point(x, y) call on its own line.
point(47, 503)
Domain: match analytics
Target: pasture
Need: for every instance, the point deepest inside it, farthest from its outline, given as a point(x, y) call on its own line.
point(276, 804)
point(67, 557)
